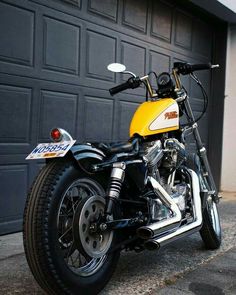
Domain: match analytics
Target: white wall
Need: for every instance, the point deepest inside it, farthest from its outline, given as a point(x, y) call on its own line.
point(231, 4)
point(228, 175)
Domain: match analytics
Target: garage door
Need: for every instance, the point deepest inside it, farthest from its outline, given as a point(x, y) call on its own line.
point(53, 57)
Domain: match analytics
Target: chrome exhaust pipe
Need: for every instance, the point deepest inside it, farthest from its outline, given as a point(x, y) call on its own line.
point(185, 230)
point(159, 227)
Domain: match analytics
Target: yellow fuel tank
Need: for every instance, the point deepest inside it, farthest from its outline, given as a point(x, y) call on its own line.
point(153, 117)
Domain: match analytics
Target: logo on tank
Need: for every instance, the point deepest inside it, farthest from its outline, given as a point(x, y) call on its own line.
point(171, 115)
point(167, 119)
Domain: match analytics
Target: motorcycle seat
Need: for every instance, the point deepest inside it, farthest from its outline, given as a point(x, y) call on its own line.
point(116, 147)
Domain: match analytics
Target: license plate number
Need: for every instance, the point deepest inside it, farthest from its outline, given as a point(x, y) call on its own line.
point(50, 150)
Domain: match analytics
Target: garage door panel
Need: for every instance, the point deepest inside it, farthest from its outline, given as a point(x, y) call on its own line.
point(135, 14)
point(14, 185)
point(124, 29)
point(161, 23)
point(18, 115)
point(59, 105)
point(134, 57)
point(158, 63)
point(101, 50)
point(205, 78)
point(15, 108)
point(98, 121)
point(17, 41)
point(77, 3)
point(26, 110)
point(57, 110)
point(61, 46)
point(202, 38)
point(54, 63)
point(183, 30)
point(105, 8)
point(126, 111)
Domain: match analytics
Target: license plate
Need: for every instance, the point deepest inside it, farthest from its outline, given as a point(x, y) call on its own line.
point(50, 150)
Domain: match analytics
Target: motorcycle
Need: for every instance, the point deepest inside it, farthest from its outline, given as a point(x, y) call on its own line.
point(93, 200)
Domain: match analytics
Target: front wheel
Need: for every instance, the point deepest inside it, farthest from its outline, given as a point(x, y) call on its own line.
point(211, 228)
point(64, 255)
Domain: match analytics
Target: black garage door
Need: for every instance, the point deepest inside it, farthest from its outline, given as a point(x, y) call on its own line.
point(53, 57)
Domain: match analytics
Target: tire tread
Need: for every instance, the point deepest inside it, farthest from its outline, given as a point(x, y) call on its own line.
point(38, 259)
point(209, 237)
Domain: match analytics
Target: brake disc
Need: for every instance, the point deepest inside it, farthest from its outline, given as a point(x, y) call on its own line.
point(88, 239)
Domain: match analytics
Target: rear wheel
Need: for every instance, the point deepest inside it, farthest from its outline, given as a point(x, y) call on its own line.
point(211, 228)
point(64, 255)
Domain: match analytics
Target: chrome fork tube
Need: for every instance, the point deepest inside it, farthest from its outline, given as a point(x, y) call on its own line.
point(201, 150)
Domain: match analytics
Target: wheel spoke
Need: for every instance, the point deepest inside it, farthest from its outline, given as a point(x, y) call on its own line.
point(69, 251)
point(65, 233)
point(79, 263)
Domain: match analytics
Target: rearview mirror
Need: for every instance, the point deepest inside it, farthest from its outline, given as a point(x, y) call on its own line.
point(116, 68)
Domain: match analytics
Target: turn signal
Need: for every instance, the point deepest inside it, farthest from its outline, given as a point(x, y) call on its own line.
point(56, 134)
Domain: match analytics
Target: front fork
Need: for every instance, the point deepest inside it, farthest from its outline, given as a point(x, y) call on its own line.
point(202, 153)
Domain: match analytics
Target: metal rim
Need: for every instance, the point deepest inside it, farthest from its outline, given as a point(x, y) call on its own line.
point(78, 263)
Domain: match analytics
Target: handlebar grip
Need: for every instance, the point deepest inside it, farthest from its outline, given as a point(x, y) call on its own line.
point(119, 88)
point(186, 68)
point(131, 83)
point(199, 67)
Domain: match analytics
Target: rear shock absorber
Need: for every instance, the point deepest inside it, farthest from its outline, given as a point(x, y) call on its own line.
point(116, 181)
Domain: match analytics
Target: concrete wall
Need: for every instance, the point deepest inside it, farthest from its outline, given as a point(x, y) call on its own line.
point(228, 178)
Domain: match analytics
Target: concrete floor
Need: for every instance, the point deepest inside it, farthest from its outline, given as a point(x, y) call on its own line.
point(184, 267)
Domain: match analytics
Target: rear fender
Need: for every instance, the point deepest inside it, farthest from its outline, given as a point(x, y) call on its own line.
point(83, 151)
point(85, 155)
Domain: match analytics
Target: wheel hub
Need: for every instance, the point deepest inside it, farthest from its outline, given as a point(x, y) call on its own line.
point(88, 239)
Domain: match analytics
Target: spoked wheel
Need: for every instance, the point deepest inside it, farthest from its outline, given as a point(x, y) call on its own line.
point(65, 252)
point(211, 228)
point(83, 248)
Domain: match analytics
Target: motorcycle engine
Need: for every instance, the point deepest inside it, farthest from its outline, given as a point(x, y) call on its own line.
point(174, 156)
point(168, 158)
point(174, 153)
point(163, 161)
point(180, 194)
point(152, 154)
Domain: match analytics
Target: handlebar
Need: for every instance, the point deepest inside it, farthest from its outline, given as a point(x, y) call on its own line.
point(131, 83)
point(179, 68)
point(186, 68)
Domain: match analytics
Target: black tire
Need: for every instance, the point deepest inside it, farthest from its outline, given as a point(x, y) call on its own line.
point(43, 249)
point(211, 228)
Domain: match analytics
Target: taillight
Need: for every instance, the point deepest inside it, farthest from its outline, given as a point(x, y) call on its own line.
point(56, 134)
